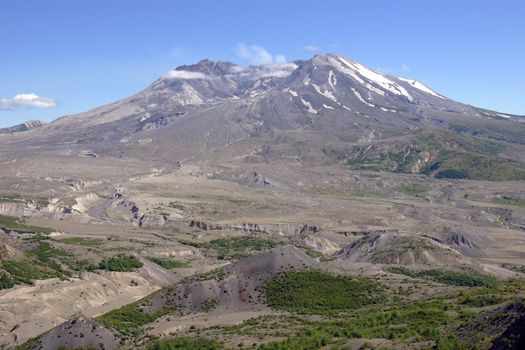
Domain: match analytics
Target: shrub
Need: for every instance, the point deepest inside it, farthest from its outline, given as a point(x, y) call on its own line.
point(121, 263)
point(89, 242)
point(168, 263)
point(185, 344)
point(18, 225)
point(6, 281)
point(314, 291)
point(235, 248)
point(413, 190)
point(447, 277)
point(129, 318)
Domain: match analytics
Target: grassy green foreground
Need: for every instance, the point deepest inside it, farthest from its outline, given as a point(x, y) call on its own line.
point(44, 261)
point(87, 242)
point(317, 292)
point(129, 318)
point(15, 224)
point(322, 310)
point(40, 263)
point(185, 344)
point(169, 263)
point(447, 277)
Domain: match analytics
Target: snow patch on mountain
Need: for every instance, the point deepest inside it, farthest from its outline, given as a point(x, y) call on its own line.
point(388, 110)
point(308, 106)
point(324, 92)
point(377, 78)
point(360, 98)
point(332, 79)
point(416, 84)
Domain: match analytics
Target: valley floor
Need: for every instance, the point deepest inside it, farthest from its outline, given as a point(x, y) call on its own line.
point(190, 256)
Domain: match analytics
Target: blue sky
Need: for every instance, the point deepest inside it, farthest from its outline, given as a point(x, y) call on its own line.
point(62, 56)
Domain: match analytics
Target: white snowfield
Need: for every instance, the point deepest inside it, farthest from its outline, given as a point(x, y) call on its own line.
point(324, 92)
point(358, 95)
point(337, 63)
point(416, 84)
point(377, 78)
point(293, 93)
point(308, 106)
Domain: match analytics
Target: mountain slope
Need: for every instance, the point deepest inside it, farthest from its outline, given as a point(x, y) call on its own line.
point(221, 112)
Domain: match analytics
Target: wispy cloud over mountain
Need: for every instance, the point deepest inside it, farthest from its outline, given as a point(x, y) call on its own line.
point(257, 55)
point(182, 74)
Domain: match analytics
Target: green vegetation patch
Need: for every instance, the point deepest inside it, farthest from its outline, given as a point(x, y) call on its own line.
point(28, 344)
point(237, 247)
point(413, 190)
point(448, 277)
point(218, 275)
point(121, 263)
point(517, 268)
point(445, 154)
point(318, 292)
point(42, 262)
point(169, 263)
point(128, 319)
point(507, 132)
point(316, 254)
point(17, 198)
point(14, 224)
point(11, 198)
point(185, 344)
point(176, 205)
point(209, 305)
point(83, 241)
point(510, 201)
point(6, 281)
point(408, 322)
point(24, 272)
point(494, 294)
point(478, 167)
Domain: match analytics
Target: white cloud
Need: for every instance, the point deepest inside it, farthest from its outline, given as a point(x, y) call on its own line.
point(183, 74)
point(279, 59)
point(268, 65)
point(405, 68)
point(311, 48)
point(276, 70)
point(257, 55)
point(238, 69)
point(29, 100)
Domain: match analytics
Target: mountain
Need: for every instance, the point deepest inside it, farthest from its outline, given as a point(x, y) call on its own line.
point(346, 113)
point(29, 125)
point(240, 180)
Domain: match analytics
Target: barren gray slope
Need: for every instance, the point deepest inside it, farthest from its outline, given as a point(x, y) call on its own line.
point(326, 99)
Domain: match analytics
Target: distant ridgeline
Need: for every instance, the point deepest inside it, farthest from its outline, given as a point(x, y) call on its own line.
point(29, 125)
